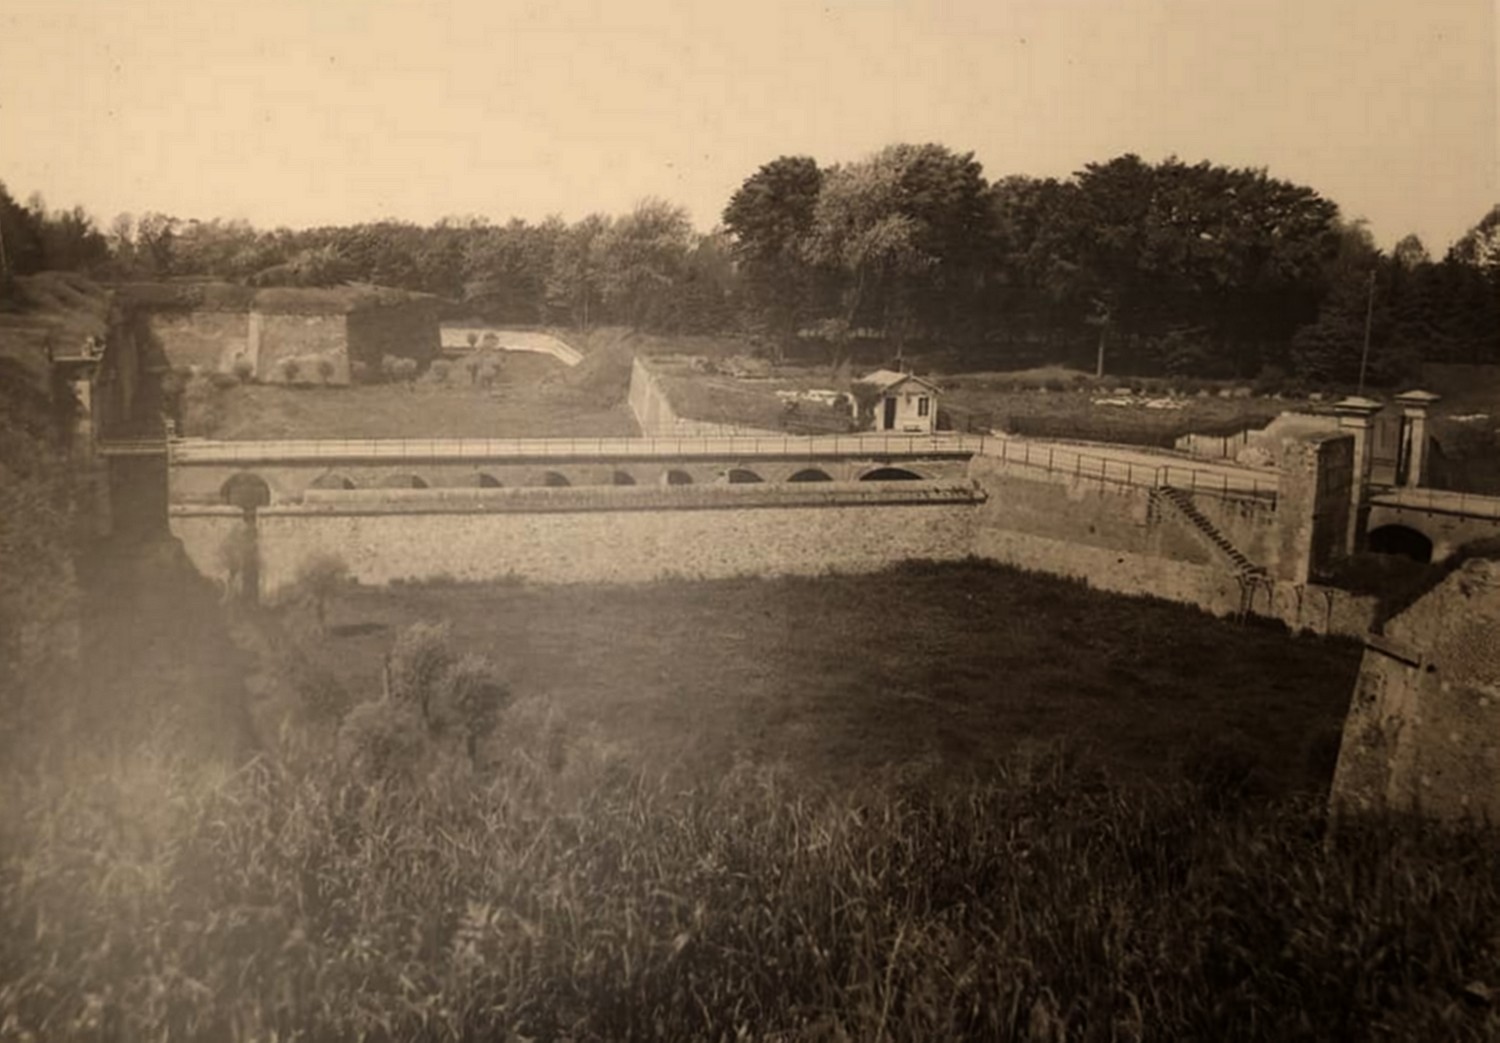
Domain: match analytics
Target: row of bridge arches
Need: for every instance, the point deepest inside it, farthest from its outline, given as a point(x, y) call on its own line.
point(249, 491)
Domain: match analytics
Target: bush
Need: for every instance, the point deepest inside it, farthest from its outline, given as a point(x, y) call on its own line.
point(326, 369)
point(457, 698)
point(291, 369)
point(383, 740)
point(396, 369)
point(318, 580)
point(244, 370)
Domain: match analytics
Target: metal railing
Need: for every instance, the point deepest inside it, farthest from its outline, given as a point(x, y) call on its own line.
point(786, 446)
point(618, 498)
point(1440, 501)
point(1064, 460)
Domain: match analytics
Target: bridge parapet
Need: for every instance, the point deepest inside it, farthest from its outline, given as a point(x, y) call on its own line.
point(642, 497)
point(204, 451)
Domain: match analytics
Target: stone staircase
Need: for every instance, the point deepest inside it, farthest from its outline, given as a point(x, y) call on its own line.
point(1180, 503)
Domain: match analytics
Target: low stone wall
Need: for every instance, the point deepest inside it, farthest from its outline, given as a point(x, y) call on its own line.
point(654, 413)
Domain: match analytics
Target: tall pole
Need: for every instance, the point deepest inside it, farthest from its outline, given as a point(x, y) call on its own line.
point(1364, 357)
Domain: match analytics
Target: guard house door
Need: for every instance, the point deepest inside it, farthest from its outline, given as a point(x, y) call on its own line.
point(890, 415)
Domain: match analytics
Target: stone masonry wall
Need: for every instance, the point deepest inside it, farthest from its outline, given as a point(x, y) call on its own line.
point(407, 330)
point(209, 340)
point(1106, 535)
point(585, 547)
point(307, 338)
point(654, 413)
point(1423, 731)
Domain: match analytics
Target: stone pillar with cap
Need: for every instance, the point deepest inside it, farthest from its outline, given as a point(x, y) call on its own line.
point(1415, 406)
point(1355, 415)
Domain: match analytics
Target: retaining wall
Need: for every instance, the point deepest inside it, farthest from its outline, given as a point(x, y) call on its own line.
point(1106, 534)
point(1423, 731)
point(592, 542)
point(654, 413)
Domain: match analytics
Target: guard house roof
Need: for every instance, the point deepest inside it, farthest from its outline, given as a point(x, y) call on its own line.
point(888, 380)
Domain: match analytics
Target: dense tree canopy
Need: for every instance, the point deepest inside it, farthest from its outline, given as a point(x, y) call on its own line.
point(1141, 267)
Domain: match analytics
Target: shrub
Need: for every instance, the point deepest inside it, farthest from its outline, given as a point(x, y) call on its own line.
point(326, 369)
point(225, 381)
point(396, 369)
point(383, 739)
point(291, 369)
point(244, 370)
point(439, 371)
point(320, 577)
point(457, 698)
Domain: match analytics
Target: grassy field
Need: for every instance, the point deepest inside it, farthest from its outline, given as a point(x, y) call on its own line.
point(930, 672)
point(533, 396)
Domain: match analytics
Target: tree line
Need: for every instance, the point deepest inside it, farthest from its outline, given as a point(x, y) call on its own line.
point(1130, 266)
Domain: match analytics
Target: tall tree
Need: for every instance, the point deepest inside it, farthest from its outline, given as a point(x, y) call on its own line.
point(903, 230)
point(770, 223)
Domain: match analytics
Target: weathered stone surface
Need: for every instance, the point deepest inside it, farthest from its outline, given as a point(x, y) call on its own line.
point(1423, 731)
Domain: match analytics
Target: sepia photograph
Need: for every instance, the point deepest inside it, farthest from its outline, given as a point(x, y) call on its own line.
point(804, 521)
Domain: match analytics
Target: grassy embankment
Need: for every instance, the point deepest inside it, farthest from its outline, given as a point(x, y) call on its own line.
point(527, 396)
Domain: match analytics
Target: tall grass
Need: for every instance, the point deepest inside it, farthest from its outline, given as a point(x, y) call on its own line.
point(577, 899)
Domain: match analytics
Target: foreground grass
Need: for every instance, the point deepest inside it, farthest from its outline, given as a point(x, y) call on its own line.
point(571, 901)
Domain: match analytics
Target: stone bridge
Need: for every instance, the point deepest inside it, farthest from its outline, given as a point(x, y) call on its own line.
point(252, 474)
point(1429, 524)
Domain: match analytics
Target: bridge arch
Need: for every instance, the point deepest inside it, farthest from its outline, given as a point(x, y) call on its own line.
point(332, 480)
point(483, 480)
point(1400, 540)
point(402, 481)
point(890, 474)
point(621, 478)
point(810, 474)
point(555, 480)
point(742, 476)
point(249, 492)
point(676, 477)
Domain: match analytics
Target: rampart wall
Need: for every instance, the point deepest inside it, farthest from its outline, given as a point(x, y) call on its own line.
point(306, 338)
point(393, 541)
point(654, 413)
point(1423, 731)
point(1107, 535)
point(209, 340)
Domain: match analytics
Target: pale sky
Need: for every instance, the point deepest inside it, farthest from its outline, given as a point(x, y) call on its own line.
point(303, 112)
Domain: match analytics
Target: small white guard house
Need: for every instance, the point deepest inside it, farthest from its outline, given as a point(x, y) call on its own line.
point(906, 403)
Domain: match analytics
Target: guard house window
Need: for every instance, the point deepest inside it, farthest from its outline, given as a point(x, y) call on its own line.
point(922, 406)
